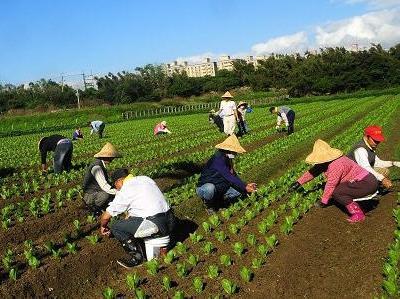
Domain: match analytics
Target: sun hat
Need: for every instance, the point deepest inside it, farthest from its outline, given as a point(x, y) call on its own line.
point(242, 103)
point(322, 153)
point(164, 123)
point(375, 132)
point(118, 174)
point(231, 144)
point(212, 111)
point(108, 151)
point(227, 95)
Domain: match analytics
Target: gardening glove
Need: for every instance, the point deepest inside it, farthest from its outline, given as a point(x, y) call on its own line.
point(278, 128)
point(293, 187)
point(396, 163)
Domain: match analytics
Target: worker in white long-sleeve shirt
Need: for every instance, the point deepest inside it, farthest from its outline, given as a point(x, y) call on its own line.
point(286, 115)
point(98, 192)
point(364, 154)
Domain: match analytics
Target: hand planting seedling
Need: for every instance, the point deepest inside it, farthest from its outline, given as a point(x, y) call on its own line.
point(212, 271)
point(229, 286)
point(238, 248)
point(166, 282)
point(152, 266)
point(246, 274)
point(225, 260)
point(133, 281)
point(198, 285)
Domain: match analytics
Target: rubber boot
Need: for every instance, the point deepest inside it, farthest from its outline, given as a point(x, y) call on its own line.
point(357, 215)
point(136, 256)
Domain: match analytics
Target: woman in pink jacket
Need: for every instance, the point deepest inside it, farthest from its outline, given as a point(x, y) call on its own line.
point(345, 179)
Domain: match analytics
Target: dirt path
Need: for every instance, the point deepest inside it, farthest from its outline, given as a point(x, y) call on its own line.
point(327, 257)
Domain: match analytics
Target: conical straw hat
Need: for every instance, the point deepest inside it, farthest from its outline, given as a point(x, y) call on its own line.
point(322, 153)
point(108, 151)
point(227, 95)
point(242, 103)
point(231, 144)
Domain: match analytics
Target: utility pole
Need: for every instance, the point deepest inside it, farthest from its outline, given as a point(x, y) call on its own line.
point(77, 95)
point(84, 80)
point(62, 82)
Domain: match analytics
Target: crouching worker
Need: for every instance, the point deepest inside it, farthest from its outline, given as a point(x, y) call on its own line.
point(62, 148)
point(218, 179)
point(287, 115)
point(345, 179)
point(96, 186)
point(161, 128)
point(148, 215)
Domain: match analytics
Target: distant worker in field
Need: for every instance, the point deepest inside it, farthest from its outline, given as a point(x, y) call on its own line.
point(364, 154)
point(77, 134)
point(214, 118)
point(285, 114)
point(218, 179)
point(227, 111)
point(97, 126)
point(161, 129)
point(346, 181)
point(97, 189)
point(62, 148)
point(241, 113)
point(148, 215)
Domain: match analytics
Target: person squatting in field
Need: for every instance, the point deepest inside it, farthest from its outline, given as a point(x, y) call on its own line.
point(345, 179)
point(214, 118)
point(364, 154)
point(287, 115)
point(77, 134)
point(97, 126)
point(96, 187)
point(218, 179)
point(148, 215)
point(227, 111)
point(62, 148)
point(161, 129)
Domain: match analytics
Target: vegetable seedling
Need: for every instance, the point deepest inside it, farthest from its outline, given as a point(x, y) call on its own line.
point(109, 293)
point(246, 274)
point(152, 266)
point(229, 286)
point(193, 260)
point(133, 281)
point(166, 281)
point(198, 285)
point(212, 271)
point(238, 248)
point(225, 260)
point(208, 248)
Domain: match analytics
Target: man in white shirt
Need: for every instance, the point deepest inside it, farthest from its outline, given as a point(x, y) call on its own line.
point(364, 154)
point(148, 214)
point(227, 111)
point(285, 114)
point(96, 187)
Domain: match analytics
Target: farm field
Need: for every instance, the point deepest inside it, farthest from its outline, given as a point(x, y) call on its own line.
point(273, 244)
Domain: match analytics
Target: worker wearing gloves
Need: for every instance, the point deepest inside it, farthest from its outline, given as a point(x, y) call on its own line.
point(62, 148)
point(97, 126)
point(96, 187)
point(227, 111)
point(161, 128)
point(218, 179)
point(287, 115)
point(345, 179)
point(148, 215)
point(364, 154)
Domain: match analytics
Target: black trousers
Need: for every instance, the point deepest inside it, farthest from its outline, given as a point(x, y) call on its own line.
point(290, 116)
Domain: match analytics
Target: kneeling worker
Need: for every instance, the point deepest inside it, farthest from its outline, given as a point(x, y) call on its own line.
point(149, 215)
point(96, 187)
point(218, 179)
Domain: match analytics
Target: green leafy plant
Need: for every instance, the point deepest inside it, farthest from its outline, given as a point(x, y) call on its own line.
point(166, 282)
point(77, 225)
point(181, 248)
point(8, 259)
point(233, 229)
point(229, 286)
point(71, 247)
point(93, 239)
point(109, 293)
point(212, 271)
point(90, 219)
point(13, 274)
point(208, 247)
point(169, 257)
point(287, 226)
point(246, 274)
point(56, 253)
point(206, 227)
point(133, 281)
point(256, 263)
point(251, 239)
point(198, 284)
point(262, 249)
point(263, 227)
point(193, 260)
point(179, 295)
point(140, 294)
point(195, 237)
point(238, 248)
point(225, 260)
point(152, 266)
point(272, 241)
point(220, 236)
point(181, 269)
point(214, 220)
point(226, 214)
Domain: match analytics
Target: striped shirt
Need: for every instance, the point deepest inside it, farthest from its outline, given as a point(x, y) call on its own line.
point(336, 172)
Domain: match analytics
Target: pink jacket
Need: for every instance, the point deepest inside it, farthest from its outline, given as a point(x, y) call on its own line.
point(159, 128)
point(338, 171)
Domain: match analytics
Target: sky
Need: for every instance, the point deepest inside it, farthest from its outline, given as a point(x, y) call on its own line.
point(47, 38)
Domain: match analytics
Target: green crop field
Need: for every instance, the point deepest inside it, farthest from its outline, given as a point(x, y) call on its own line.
point(52, 247)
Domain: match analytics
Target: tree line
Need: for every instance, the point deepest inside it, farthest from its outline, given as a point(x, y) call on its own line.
point(330, 71)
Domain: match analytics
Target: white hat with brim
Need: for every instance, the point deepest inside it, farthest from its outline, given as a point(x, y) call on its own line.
point(108, 151)
point(227, 95)
point(242, 104)
point(323, 153)
point(231, 144)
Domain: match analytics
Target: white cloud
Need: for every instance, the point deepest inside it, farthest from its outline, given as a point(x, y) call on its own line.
point(375, 27)
point(197, 58)
point(375, 4)
point(284, 44)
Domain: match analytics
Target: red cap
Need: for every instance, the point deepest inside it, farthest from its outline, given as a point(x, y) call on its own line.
point(375, 132)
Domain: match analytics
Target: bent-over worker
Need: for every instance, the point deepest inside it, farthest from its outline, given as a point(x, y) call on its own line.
point(161, 128)
point(285, 114)
point(97, 189)
point(149, 215)
point(97, 126)
point(62, 148)
point(218, 179)
point(364, 154)
point(345, 179)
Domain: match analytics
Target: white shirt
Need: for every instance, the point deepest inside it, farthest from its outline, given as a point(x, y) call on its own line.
point(98, 174)
point(227, 108)
point(140, 197)
point(361, 156)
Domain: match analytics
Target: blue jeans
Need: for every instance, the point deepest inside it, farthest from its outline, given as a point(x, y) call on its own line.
point(207, 193)
point(63, 157)
point(125, 229)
